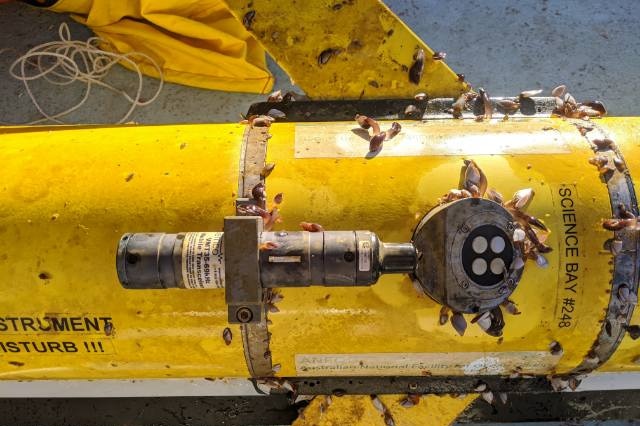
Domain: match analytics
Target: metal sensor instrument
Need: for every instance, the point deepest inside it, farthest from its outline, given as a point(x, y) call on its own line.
point(461, 254)
point(244, 260)
point(285, 259)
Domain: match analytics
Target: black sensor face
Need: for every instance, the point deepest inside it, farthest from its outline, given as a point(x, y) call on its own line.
point(467, 255)
point(487, 254)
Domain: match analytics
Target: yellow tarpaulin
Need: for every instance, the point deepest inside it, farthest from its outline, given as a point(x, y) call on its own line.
point(195, 42)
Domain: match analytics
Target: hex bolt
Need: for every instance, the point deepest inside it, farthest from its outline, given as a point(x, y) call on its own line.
point(244, 315)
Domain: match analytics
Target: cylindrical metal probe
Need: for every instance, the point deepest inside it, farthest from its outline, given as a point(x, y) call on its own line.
point(286, 259)
point(397, 258)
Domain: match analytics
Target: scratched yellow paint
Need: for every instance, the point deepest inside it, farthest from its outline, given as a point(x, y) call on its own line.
point(67, 195)
point(388, 196)
point(376, 48)
point(358, 410)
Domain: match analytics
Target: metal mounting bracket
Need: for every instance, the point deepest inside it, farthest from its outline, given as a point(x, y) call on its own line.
point(243, 292)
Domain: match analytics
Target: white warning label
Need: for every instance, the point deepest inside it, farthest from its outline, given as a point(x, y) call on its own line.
point(285, 259)
point(432, 363)
point(364, 256)
point(203, 260)
point(431, 138)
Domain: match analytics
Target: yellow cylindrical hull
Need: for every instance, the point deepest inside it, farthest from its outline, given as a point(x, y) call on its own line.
point(68, 194)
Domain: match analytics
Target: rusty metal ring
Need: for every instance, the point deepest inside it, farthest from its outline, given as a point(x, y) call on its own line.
point(255, 336)
point(626, 264)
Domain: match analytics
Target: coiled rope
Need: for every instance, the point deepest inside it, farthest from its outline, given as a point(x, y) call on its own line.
point(67, 61)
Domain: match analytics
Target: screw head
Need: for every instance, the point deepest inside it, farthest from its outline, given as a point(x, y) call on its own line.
point(465, 228)
point(464, 284)
point(244, 315)
point(510, 226)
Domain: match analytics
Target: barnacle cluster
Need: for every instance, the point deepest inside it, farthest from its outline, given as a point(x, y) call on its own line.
point(529, 236)
point(567, 106)
point(378, 137)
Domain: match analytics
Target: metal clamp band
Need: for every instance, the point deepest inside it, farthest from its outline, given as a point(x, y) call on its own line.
point(388, 385)
point(252, 160)
point(255, 340)
point(255, 336)
point(397, 109)
point(626, 264)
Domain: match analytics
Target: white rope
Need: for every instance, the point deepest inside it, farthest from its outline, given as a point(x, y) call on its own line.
point(68, 61)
